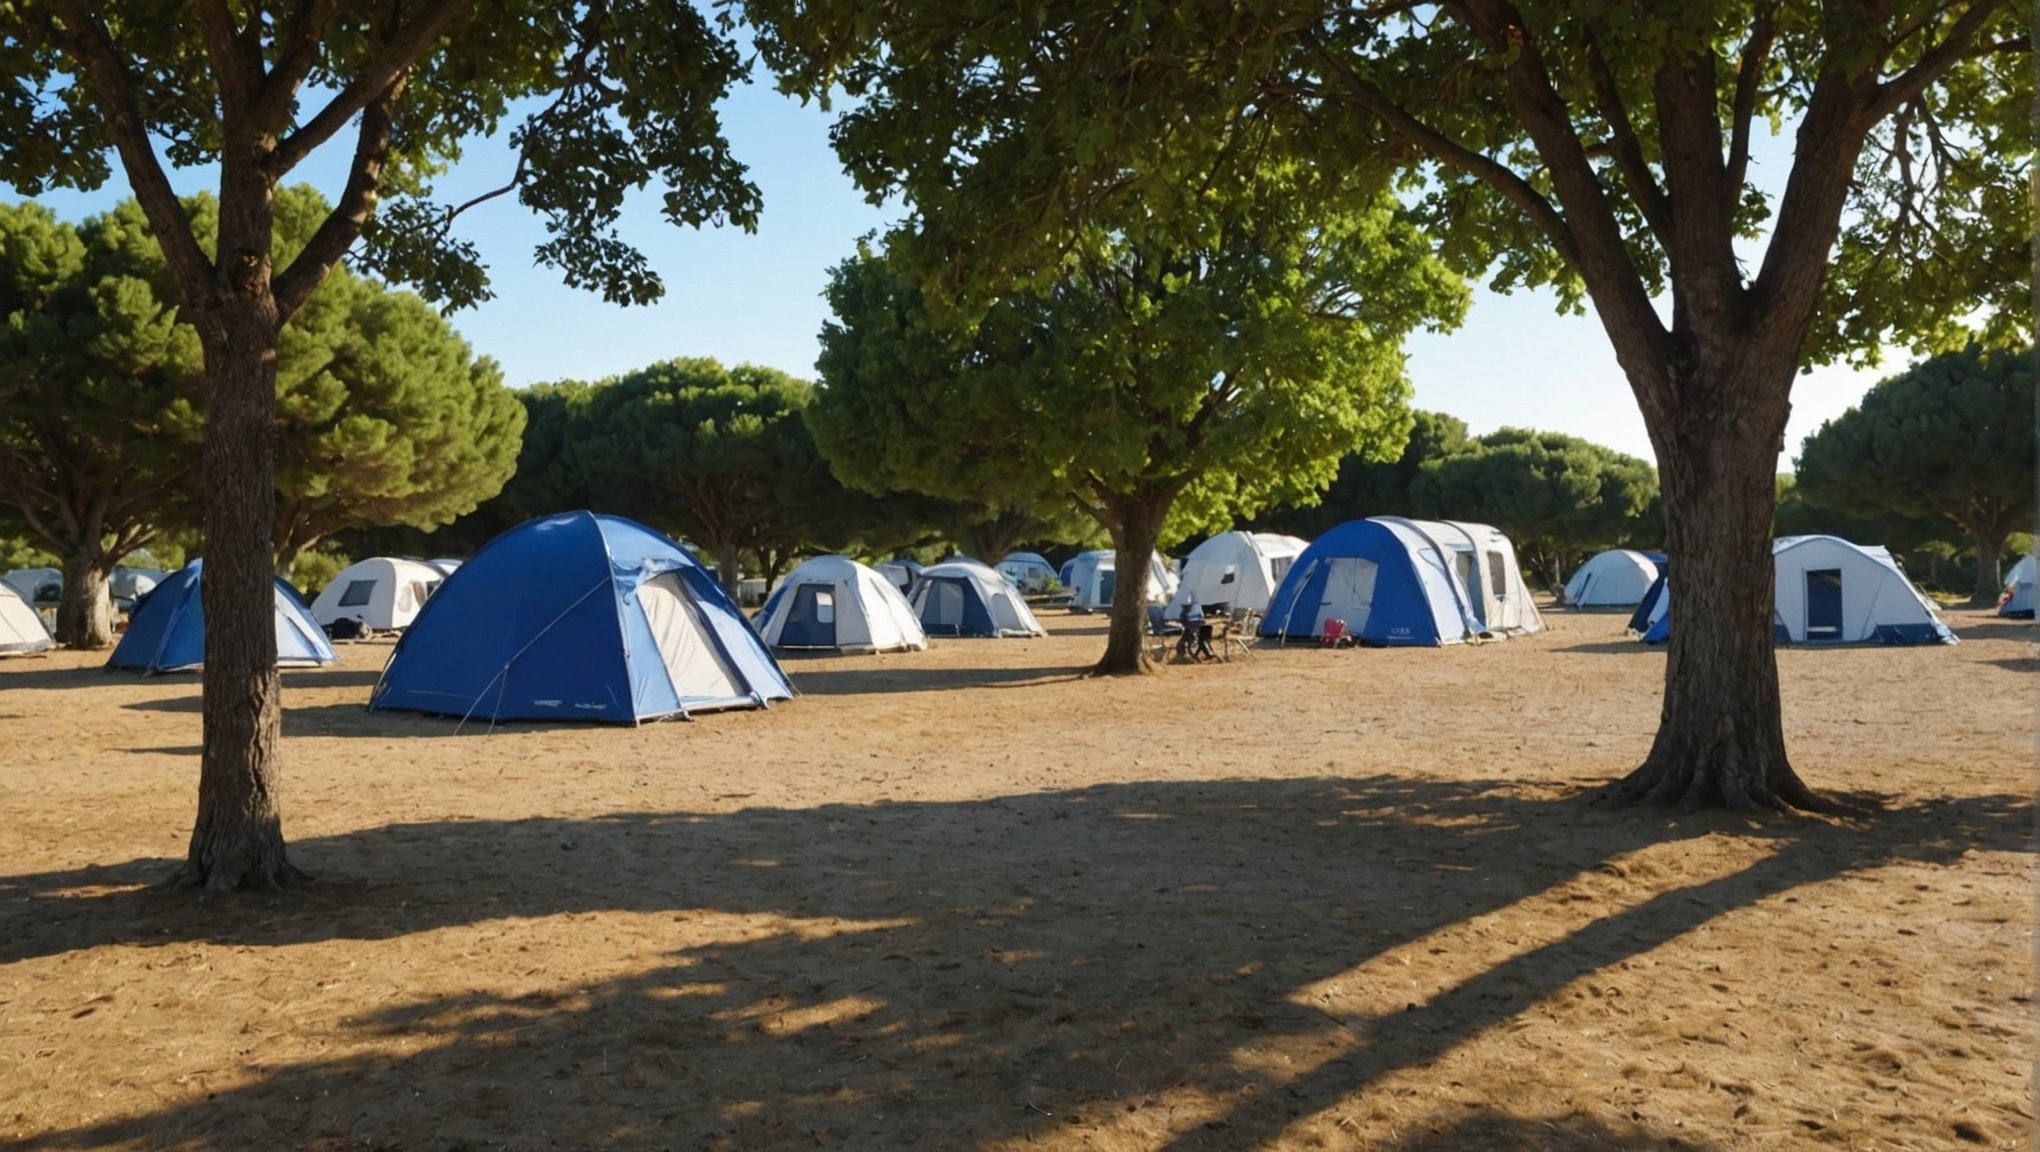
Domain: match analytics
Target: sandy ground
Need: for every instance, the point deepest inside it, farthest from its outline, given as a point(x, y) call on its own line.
point(968, 899)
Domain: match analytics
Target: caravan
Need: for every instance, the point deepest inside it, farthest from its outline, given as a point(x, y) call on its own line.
point(835, 603)
point(579, 617)
point(384, 593)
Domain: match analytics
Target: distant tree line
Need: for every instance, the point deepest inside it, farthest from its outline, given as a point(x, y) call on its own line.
point(384, 415)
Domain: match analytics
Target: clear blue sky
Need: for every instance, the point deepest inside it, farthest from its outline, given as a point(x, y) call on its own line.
point(757, 297)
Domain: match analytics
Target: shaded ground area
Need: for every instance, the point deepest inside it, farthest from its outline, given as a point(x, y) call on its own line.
point(964, 899)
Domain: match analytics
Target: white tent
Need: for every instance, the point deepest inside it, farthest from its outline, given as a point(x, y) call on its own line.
point(1486, 564)
point(1093, 581)
point(21, 630)
point(1238, 569)
point(836, 603)
point(446, 567)
point(1617, 578)
point(383, 592)
point(964, 598)
point(2018, 597)
point(1830, 591)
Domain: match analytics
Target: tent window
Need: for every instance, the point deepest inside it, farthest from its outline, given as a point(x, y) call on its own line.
point(825, 607)
point(1498, 586)
point(1278, 568)
point(357, 593)
point(1231, 574)
point(1462, 562)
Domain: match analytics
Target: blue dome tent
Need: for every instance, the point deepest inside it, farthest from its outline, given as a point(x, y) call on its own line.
point(1389, 581)
point(166, 632)
point(579, 617)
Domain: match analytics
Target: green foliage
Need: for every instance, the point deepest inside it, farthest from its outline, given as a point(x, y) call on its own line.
point(1366, 487)
point(99, 385)
point(1952, 438)
point(22, 551)
point(1208, 382)
point(1559, 498)
point(599, 101)
point(384, 418)
point(718, 455)
point(314, 568)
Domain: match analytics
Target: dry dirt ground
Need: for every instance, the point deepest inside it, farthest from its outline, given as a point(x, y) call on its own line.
point(968, 899)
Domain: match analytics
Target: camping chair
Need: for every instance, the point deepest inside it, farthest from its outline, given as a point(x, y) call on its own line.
point(1238, 627)
point(1162, 631)
point(1334, 634)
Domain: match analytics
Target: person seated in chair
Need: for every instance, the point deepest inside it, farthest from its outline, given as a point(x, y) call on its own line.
point(1195, 643)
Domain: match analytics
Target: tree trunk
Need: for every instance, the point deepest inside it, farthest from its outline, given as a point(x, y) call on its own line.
point(1721, 735)
point(1989, 581)
point(1137, 528)
point(85, 614)
point(729, 567)
point(238, 839)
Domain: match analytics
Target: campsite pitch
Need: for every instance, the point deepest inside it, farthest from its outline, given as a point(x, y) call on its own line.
point(964, 898)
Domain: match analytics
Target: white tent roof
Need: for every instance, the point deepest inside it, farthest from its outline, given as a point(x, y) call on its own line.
point(1617, 578)
point(1240, 569)
point(21, 629)
point(1087, 589)
point(834, 602)
point(1486, 564)
point(1006, 612)
point(1828, 590)
point(383, 592)
point(2018, 597)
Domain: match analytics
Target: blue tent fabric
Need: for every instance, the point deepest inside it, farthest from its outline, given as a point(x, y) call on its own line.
point(1639, 620)
point(166, 629)
point(1068, 569)
point(1415, 598)
point(551, 621)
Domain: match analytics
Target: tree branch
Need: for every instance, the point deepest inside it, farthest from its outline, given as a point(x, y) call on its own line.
point(1513, 187)
point(112, 87)
point(300, 50)
point(1643, 186)
point(342, 226)
point(1932, 65)
point(1749, 76)
point(238, 76)
point(400, 52)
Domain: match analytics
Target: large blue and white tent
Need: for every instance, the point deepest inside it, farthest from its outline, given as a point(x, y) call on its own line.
point(579, 616)
point(1391, 582)
point(1830, 591)
point(166, 631)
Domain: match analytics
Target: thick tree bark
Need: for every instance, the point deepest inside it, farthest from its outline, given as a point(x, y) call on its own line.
point(1136, 527)
point(237, 841)
point(85, 614)
point(1721, 734)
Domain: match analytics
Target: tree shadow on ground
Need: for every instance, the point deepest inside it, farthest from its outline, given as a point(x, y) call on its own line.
point(1994, 628)
point(1628, 647)
point(905, 678)
point(20, 676)
point(911, 975)
point(331, 678)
